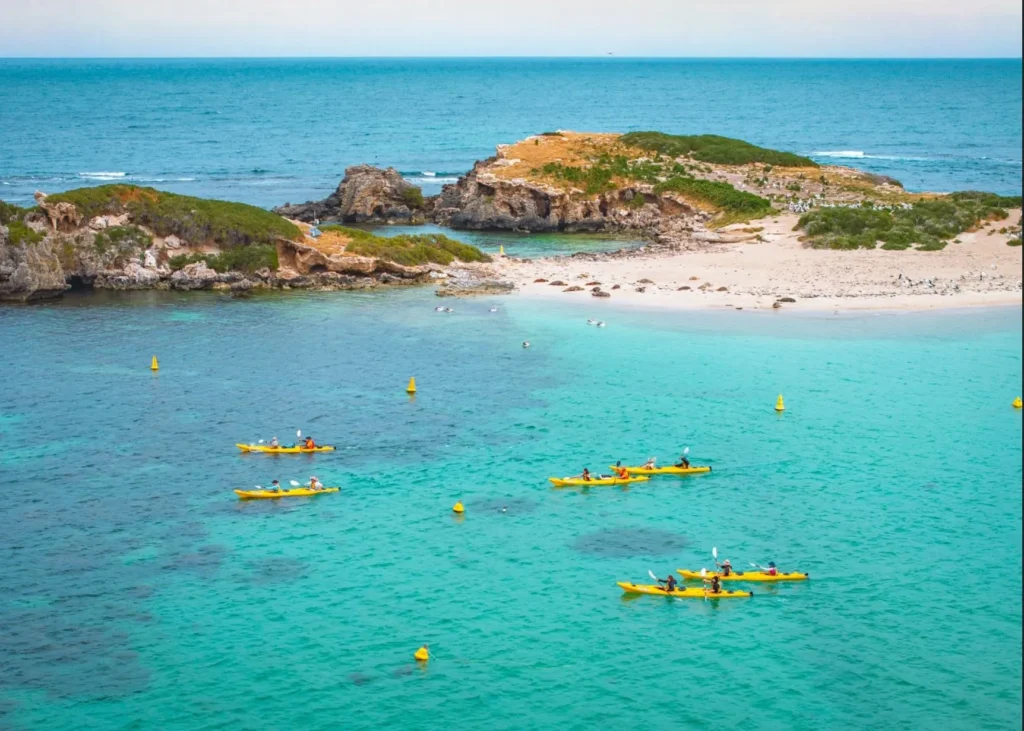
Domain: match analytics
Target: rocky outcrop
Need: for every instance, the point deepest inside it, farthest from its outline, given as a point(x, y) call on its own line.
point(472, 281)
point(63, 215)
point(29, 271)
point(482, 200)
point(365, 195)
point(301, 259)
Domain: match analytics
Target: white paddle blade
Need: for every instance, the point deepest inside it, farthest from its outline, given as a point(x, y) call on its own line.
point(299, 433)
point(651, 574)
point(714, 552)
point(293, 483)
point(703, 573)
point(686, 451)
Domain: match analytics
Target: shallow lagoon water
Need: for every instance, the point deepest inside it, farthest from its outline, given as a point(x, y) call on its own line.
point(136, 590)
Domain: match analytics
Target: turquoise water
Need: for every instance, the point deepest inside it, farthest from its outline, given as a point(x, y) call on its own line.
point(522, 245)
point(275, 131)
point(136, 591)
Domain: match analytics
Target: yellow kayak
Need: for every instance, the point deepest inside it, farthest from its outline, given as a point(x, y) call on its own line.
point(747, 576)
point(263, 448)
point(275, 494)
point(595, 482)
point(666, 470)
point(686, 593)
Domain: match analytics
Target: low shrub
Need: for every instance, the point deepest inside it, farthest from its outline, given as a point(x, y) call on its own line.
point(409, 249)
point(714, 149)
point(18, 234)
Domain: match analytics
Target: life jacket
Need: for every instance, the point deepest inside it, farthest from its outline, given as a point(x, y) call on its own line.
point(772, 571)
point(310, 444)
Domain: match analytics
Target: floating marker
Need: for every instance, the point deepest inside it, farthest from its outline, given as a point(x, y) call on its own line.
point(1017, 403)
point(458, 508)
point(412, 386)
point(779, 406)
point(422, 654)
point(501, 250)
point(154, 366)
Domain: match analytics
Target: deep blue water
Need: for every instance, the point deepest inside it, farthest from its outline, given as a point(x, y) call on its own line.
point(275, 131)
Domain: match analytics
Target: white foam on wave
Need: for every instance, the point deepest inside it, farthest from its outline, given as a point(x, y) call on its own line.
point(840, 153)
point(432, 181)
point(103, 175)
point(429, 174)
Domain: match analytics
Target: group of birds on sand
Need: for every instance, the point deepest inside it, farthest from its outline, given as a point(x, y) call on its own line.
point(439, 308)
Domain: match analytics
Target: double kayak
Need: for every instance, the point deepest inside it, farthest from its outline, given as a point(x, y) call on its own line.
point(275, 494)
point(666, 470)
point(595, 481)
point(264, 449)
point(682, 593)
point(747, 575)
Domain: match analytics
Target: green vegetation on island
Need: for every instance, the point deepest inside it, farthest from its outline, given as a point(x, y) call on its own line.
point(714, 149)
point(196, 220)
point(926, 224)
point(409, 249)
point(10, 212)
point(246, 259)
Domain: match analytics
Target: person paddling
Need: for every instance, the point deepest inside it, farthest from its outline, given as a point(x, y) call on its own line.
point(315, 484)
point(649, 464)
point(683, 462)
point(621, 472)
point(771, 570)
point(585, 475)
point(670, 583)
point(716, 585)
point(310, 444)
point(275, 486)
point(274, 443)
point(725, 567)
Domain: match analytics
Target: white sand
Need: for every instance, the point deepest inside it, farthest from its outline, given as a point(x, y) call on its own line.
point(981, 270)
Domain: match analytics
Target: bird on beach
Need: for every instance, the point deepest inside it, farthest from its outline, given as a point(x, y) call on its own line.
point(526, 343)
point(493, 309)
point(439, 309)
point(448, 309)
point(591, 322)
point(600, 323)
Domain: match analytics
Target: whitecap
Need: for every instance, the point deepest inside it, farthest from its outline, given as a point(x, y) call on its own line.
point(429, 174)
point(840, 153)
point(103, 175)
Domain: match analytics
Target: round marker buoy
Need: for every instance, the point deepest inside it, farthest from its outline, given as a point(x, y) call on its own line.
point(458, 508)
point(1017, 403)
point(422, 654)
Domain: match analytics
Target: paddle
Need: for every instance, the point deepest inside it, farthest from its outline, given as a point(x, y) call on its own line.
point(759, 566)
point(704, 582)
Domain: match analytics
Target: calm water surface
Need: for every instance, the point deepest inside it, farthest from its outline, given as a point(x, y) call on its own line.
point(136, 591)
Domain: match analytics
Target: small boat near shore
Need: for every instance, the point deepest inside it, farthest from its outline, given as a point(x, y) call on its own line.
point(266, 449)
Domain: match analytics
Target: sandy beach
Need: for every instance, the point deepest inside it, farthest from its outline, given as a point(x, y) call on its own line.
point(981, 270)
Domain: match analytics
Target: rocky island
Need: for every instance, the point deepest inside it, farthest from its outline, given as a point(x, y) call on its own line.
point(758, 224)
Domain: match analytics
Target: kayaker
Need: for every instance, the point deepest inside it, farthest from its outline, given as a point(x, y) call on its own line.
point(649, 464)
point(315, 484)
point(683, 462)
point(771, 570)
point(621, 472)
point(725, 566)
point(275, 486)
point(585, 475)
point(716, 585)
point(670, 583)
point(310, 444)
point(274, 443)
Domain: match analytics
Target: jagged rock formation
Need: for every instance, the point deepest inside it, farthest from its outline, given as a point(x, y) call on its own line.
point(302, 260)
point(482, 200)
point(29, 272)
point(365, 195)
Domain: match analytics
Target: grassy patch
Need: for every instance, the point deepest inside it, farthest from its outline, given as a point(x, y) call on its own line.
point(413, 197)
point(1013, 242)
point(18, 234)
point(197, 220)
point(246, 259)
point(927, 225)
point(714, 149)
point(409, 249)
point(10, 212)
point(122, 238)
point(720, 196)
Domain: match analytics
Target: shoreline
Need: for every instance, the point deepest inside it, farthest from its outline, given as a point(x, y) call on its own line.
point(775, 270)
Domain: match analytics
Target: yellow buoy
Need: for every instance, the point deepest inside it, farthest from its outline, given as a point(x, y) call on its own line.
point(779, 406)
point(1017, 403)
point(422, 654)
point(501, 250)
point(412, 386)
point(457, 508)
point(154, 366)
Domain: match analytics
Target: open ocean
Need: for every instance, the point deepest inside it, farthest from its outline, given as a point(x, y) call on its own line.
point(137, 592)
point(274, 131)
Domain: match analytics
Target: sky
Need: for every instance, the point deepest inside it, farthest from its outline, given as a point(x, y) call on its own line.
point(677, 28)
